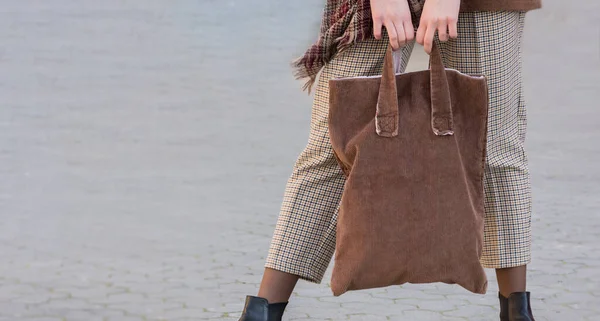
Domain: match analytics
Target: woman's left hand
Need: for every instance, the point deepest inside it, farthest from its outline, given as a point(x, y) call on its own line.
point(440, 16)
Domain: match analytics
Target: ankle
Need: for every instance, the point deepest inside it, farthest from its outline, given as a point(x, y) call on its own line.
point(508, 294)
point(272, 299)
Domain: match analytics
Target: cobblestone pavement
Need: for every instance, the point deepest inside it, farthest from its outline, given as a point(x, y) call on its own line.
point(145, 145)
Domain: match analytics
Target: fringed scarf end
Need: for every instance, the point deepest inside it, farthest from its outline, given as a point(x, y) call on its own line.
point(301, 71)
point(345, 41)
point(346, 23)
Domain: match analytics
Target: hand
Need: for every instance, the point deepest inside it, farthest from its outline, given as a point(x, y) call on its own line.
point(395, 16)
point(440, 16)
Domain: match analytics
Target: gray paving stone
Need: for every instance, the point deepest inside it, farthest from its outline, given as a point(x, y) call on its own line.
point(472, 311)
point(421, 315)
point(439, 306)
point(104, 313)
point(127, 318)
point(61, 306)
point(123, 296)
point(83, 315)
point(362, 317)
point(32, 299)
point(13, 309)
point(176, 314)
point(146, 308)
point(98, 291)
point(16, 290)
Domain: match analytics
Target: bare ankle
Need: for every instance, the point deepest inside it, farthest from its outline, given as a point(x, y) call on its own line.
point(277, 286)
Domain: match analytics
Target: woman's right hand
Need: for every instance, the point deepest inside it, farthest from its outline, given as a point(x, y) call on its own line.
point(395, 16)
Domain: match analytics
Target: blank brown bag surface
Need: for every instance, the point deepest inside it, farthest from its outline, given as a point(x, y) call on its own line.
point(413, 149)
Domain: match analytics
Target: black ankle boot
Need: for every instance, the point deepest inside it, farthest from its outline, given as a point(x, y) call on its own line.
point(516, 307)
point(503, 307)
point(259, 309)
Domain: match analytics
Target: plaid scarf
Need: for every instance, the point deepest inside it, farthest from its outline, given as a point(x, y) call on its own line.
point(344, 22)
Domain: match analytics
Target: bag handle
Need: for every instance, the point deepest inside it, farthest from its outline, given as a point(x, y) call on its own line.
point(386, 116)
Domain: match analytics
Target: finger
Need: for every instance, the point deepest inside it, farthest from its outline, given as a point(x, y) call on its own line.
point(377, 28)
point(452, 28)
point(429, 34)
point(421, 33)
point(442, 30)
point(391, 30)
point(409, 31)
point(400, 32)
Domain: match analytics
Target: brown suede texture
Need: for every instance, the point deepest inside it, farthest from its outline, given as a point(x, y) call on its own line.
point(412, 206)
point(499, 5)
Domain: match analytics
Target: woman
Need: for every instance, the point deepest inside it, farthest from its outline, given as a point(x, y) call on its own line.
point(485, 38)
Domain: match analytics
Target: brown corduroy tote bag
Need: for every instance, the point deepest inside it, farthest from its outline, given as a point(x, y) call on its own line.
point(413, 149)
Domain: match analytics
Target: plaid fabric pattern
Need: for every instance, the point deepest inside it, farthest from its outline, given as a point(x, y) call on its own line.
point(489, 43)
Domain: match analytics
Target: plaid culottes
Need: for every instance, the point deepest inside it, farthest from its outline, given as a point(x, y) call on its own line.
point(488, 43)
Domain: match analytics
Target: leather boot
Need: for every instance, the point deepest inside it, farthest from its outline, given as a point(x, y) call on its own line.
point(259, 309)
point(503, 307)
point(516, 307)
